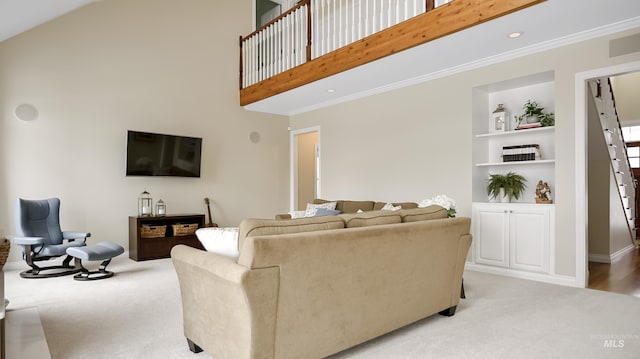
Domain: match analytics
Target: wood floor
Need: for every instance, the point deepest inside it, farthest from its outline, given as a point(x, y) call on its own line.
point(622, 276)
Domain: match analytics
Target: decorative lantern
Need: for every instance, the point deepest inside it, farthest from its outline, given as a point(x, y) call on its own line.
point(161, 208)
point(498, 122)
point(145, 204)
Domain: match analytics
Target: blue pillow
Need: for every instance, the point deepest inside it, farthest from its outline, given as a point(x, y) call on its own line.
point(326, 212)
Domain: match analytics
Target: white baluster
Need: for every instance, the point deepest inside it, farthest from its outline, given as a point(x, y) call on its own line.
point(303, 36)
point(359, 17)
point(260, 45)
point(249, 65)
point(254, 59)
point(334, 24)
point(314, 32)
point(299, 48)
point(269, 51)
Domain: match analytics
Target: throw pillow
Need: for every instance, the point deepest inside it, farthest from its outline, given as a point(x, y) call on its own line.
point(297, 214)
point(312, 208)
point(326, 212)
point(390, 207)
point(222, 241)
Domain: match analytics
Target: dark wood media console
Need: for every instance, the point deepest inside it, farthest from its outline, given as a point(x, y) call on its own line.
point(141, 249)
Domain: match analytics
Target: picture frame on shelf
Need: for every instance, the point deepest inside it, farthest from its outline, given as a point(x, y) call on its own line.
point(498, 120)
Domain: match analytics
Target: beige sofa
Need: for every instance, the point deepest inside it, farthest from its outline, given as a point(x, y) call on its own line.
point(311, 287)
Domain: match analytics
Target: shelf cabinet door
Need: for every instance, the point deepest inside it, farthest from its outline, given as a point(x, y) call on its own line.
point(529, 234)
point(513, 235)
point(491, 235)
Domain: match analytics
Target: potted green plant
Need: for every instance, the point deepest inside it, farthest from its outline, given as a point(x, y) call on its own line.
point(506, 187)
point(533, 112)
point(548, 119)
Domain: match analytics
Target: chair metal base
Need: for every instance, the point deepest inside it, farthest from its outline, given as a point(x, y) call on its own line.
point(85, 274)
point(34, 273)
point(59, 271)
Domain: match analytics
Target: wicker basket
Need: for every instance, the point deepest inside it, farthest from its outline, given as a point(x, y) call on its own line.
point(184, 229)
point(147, 231)
point(5, 246)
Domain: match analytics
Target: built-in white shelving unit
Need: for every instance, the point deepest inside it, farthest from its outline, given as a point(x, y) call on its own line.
point(487, 146)
point(518, 238)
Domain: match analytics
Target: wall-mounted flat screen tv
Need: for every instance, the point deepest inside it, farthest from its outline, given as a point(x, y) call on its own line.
point(153, 154)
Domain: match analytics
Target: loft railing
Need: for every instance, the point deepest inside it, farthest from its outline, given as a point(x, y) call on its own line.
point(314, 28)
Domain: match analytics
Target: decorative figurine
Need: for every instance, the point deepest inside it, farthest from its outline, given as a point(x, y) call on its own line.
point(543, 193)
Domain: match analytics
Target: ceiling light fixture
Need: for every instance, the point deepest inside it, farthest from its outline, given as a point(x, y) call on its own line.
point(331, 90)
point(515, 34)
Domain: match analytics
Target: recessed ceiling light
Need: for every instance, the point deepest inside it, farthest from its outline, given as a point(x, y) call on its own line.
point(331, 90)
point(515, 34)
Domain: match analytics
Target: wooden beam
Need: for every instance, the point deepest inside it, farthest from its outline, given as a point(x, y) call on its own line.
point(444, 20)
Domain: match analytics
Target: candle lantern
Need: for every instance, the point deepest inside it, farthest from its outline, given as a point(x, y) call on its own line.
point(498, 122)
point(145, 204)
point(161, 208)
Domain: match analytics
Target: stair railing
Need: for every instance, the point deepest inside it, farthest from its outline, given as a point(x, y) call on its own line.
point(612, 130)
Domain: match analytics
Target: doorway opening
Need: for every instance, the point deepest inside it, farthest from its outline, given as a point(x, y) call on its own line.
point(620, 271)
point(305, 167)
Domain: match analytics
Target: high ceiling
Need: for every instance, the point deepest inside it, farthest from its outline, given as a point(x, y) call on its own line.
point(550, 24)
point(17, 16)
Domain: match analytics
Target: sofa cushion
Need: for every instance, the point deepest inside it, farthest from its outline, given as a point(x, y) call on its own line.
point(371, 218)
point(423, 214)
point(349, 206)
point(252, 227)
point(405, 205)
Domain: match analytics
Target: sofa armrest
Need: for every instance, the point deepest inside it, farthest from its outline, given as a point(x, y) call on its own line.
point(224, 302)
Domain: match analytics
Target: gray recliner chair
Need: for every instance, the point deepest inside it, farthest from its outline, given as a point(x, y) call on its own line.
point(39, 235)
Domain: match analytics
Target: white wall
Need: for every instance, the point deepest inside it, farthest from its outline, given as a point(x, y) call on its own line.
point(415, 142)
point(151, 65)
point(598, 180)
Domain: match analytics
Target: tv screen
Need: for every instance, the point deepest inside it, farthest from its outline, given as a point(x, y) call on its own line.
point(153, 154)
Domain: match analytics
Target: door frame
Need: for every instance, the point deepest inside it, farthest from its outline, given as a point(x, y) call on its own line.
point(293, 164)
point(581, 185)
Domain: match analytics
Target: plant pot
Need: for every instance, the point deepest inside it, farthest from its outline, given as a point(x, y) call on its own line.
point(532, 119)
point(503, 198)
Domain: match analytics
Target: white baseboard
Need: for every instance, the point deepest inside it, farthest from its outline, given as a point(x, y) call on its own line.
point(567, 281)
point(604, 258)
point(599, 258)
point(619, 254)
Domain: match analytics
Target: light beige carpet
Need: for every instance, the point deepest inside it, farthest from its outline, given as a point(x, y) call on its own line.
point(137, 314)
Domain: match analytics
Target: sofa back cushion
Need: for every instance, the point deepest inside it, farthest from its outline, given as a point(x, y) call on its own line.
point(371, 218)
point(405, 205)
point(349, 206)
point(252, 227)
point(423, 214)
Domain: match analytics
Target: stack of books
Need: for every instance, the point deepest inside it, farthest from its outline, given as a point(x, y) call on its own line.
point(521, 153)
point(525, 126)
